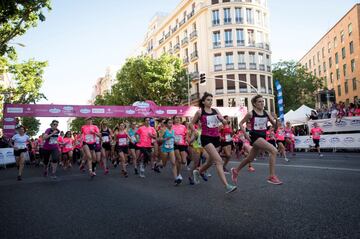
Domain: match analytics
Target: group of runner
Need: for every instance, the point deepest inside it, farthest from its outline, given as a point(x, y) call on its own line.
point(202, 141)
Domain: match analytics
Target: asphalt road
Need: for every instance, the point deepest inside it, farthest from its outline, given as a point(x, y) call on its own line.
point(320, 198)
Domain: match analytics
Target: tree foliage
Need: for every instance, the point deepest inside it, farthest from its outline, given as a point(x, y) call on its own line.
point(31, 124)
point(16, 17)
point(298, 86)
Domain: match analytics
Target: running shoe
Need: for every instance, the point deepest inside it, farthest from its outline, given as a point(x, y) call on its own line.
point(180, 177)
point(226, 171)
point(136, 171)
point(274, 180)
point(234, 175)
point(92, 174)
point(191, 181)
point(142, 173)
point(45, 173)
point(156, 169)
point(53, 177)
point(196, 175)
point(321, 155)
point(19, 178)
point(286, 159)
point(125, 173)
point(106, 172)
point(230, 188)
point(204, 177)
point(251, 169)
point(208, 174)
point(177, 182)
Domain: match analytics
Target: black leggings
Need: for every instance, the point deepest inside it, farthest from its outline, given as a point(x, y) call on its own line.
point(54, 153)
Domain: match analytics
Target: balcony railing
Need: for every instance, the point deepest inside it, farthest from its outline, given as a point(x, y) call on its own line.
point(230, 66)
point(195, 96)
point(229, 43)
point(182, 22)
point(242, 66)
point(260, 45)
point(261, 67)
point(252, 66)
point(270, 91)
point(243, 90)
point(239, 20)
point(216, 44)
point(174, 29)
point(231, 91)
point(262, 90)
point(193, 35)
point(194, 75)
point(186, 60)
point(227, 20)
point(161, 41)
point(267, 46)
point(240, 43)
point(194, 55)
point(216, 22)
point(190, 14)
point(252, 44)
point(218, 67)
point(184, 41)
point(167, 35)
point(219, 91)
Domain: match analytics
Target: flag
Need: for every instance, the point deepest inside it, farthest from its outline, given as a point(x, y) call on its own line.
point(280, 101)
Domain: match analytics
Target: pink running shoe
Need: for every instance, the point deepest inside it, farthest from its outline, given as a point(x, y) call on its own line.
point(234, 175)
point(251, 169)
point(274, 180)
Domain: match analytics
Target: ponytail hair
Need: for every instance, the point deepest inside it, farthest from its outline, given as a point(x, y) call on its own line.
point(203, 98)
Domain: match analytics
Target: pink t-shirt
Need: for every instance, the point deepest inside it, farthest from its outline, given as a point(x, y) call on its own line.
point(88, 132)
point(280, 134)
point(68, 144)
point(144, 138)
point(121, 139)
point(316, 132)
point(180, 134)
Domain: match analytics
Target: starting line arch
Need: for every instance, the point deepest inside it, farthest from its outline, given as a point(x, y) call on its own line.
point(137, 110)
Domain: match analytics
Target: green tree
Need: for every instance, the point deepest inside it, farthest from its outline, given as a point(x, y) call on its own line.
point(16, 17)
point(162, 80)
point(298, 86)
point(32, 125)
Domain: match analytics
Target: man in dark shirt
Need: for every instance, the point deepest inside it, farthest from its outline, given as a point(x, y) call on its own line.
point(4, 143)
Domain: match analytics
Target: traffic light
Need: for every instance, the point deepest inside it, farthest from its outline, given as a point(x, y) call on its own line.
point(202, 78)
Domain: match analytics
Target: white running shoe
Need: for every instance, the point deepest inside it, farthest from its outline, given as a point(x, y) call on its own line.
point(196, 175)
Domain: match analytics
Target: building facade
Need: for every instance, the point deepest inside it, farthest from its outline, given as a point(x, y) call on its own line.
point(104, 84)
point(335, 58)
point(226, 40)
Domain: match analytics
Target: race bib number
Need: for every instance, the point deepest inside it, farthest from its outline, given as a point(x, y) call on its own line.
point(20, 145)
point(53, 140)
point(228, 138)
point(89, 138)
point(179, 139)
point(97, 140)
point(105, 139)
point(260, 123)
point(133, 138)
point(212, 121)
point(122, 141)
point(287, 135)
point(68, 146)
point(169, 144)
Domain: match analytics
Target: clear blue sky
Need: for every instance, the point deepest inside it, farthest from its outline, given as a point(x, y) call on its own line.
point(81, 38)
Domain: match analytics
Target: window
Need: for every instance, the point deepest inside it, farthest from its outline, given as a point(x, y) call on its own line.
point(251, 38)
point(258, 18)
point(354, 83)
point(261, 59)
point(344, 70)
point(249, 16)
point(215, 17)
point(241, 57)
point(350, 29)
point(310, 64)
point(331, 77)
point(319, 70)
point(323, 52)
point(270, 85)
point(216, 39)
point(330, 62)
point(272, 105)
point(342, 36)
point(339, 90)
point(231, 102)
point(346, 86)
point(238, 15)
point(252, 58)
point(324, 66)
point(228, 38)
point(240, 37)
point(335, 42)
point(217, 59)
point(329, 47)
point(242, 85)
point(343, 52)
point(338, 74)
point(352, 65)
point(259, 39)
point(306, 66)
point(336, 58)
point(227, 16)
point(219, 85)
point(220, 103)
point(351, 45)
point(229, 59)
point(253, 82)
point(262, 84)
point(318, 56)
point(314, 60)
point(265, 20)
point(230, 83)
point(214, 1)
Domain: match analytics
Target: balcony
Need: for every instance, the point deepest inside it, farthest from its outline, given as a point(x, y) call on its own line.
point(219, 91)
point(262, 90)
point(229, 43)
point(242, 66)
point(270, 91)
point(227, 21)
point(267, 46)
point(194, 55)
point(252, 66)
point(167, 35)
point(174, 29)
point(194, 75)
point(184, 41)
point(190, 14)
point(216, 45)
point(243, 90)
point(231, 91)
point(193, 35)
point(240, 43)
point(230, 66)
point(268, 68)
point(177, 47)
point(161, 41)
point(216, 22)
point(251, 44)
point(186, 60)
point(170, 51)
point(182, 22)
point(260, 45)
point(195, 96)
point(218, 67)
point(239, 20)
point(261, 67)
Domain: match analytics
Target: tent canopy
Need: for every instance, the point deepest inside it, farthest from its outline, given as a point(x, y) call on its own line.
point(299, 116)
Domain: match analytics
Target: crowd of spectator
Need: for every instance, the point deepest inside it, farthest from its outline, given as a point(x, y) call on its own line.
point(336, 110)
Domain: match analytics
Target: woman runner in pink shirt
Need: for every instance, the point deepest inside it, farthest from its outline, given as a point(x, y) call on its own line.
point(122, 147)
point(67, 149)
point(316, 132)
point(181, 144)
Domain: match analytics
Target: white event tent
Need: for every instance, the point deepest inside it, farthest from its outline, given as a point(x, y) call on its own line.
point(299, 116)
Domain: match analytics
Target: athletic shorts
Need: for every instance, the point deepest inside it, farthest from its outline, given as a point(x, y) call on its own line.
point(205, 140)
point(146, 153)
point(19, 151)
point(181, 148)
point(254, 137)
point(106, 146)
point(91, 146)
point(123, 149)
point(316, 142)
point(97, 148)
point(132, 146)
point(239, 144)
point(272, 142)
point(280, 141)
point(54, 153)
